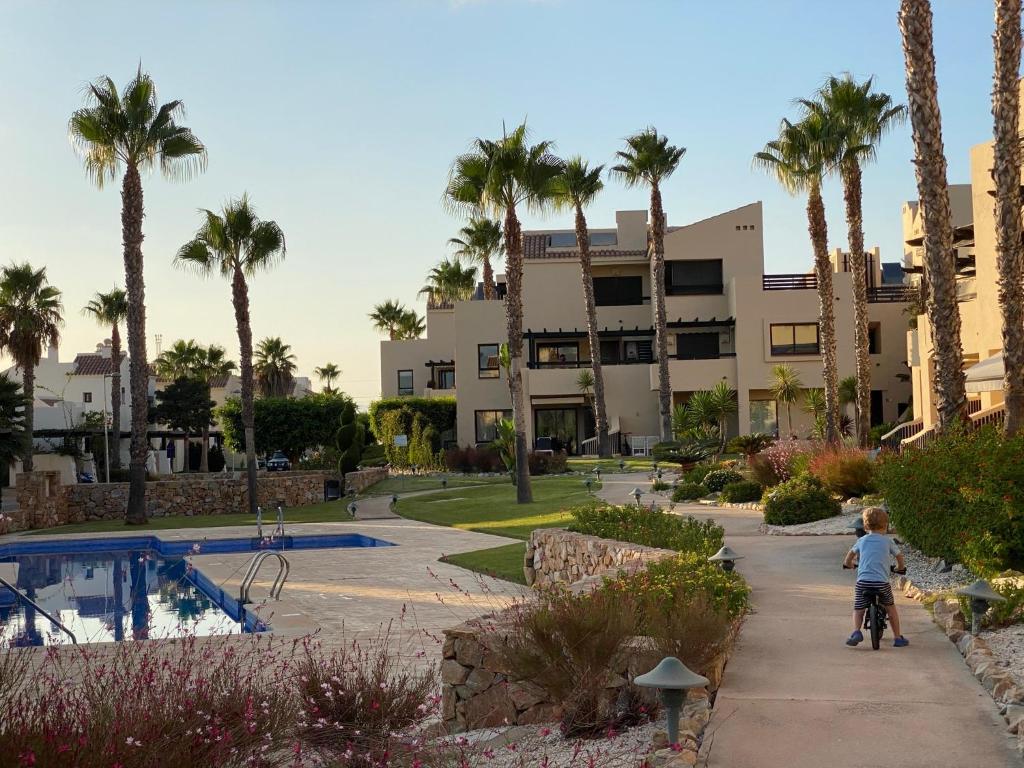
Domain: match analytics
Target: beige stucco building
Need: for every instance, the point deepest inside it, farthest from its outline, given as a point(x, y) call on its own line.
point(728, 321)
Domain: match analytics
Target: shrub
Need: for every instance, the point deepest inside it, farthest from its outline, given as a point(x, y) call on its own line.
point(844, 471)
point(436, 412)
point(469, 459)
point(683, 452)
point(750, 445)
point(716, 480)
point(742, 491)
point(373, 456)
point(689, 492)
point(779, 462)
point(548, 463)
point(650, 528)
point(699, 472)
point(800, 500)
point(875, 435)
point(660, 485)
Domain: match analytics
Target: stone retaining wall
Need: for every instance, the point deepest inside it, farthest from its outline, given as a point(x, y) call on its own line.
point(364, 478)
point(558, 556)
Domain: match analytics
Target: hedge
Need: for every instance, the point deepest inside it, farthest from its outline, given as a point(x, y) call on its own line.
point(285, 423)
point(741, 492)
point(800, 500)
point(649, 527)
point(436, 412)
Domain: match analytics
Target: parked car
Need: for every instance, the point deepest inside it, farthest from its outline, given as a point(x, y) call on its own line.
point(278, 463)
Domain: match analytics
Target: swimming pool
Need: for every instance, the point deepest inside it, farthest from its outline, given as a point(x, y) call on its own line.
point(131, 587)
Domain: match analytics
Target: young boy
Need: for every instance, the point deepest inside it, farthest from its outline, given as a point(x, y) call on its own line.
point(871, 554)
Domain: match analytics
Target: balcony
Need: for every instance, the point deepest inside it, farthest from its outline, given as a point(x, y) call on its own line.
point(693, 375)
point(431, 392)
point(789, 282)
point(891, 294)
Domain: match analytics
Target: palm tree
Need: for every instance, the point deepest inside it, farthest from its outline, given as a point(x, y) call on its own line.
point(178, 361)
point(210, 363)
point(786, 388)
point(577, 187)
point(799, 159)
point(410, 325)
point(915, 19)
point(1006, 172)
point(387, 317)
point(274, 367)
point(31, 315)
point(860, 119)
point(327, 373)
point(238, 245)
point(649, 160)
point(110, 310)
point(501, 176)
point(15, 439)
point(479, 242)
point(448, 282)
point(130, 131)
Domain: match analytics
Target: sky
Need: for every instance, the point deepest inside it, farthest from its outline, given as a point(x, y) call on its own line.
point(340, 120)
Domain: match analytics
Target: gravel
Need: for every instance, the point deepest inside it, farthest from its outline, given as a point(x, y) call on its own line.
point(830, 526)
point(930, 572)
point(1008, 645)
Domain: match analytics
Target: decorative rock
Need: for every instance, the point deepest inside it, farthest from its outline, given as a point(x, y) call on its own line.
point(490, 709)
point(525, 694)
point(479, 680)
point(468, 652)
point(1014, 718)
point(453, 673)
point(539, 713)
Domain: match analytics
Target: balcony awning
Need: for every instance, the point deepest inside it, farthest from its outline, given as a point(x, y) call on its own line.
point(986, 376)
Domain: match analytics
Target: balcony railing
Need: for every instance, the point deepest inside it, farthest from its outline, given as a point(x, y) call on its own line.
point(790, 282)
point(584, 364)
point(883, 294)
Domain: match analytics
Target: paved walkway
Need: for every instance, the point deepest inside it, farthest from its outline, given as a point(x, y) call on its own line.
point(794, 696)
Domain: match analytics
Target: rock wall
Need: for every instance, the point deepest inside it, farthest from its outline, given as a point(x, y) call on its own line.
point(364, 478)
point(557, 556)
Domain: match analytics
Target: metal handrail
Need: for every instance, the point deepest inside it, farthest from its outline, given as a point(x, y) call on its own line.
point(39, 608)
point(254, 567)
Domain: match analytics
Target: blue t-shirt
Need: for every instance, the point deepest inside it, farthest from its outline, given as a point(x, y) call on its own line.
point(876, 551)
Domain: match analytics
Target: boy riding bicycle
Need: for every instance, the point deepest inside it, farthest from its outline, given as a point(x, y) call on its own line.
point(871, 554)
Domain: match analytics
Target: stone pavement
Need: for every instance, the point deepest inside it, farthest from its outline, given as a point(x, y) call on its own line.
point(795, 696)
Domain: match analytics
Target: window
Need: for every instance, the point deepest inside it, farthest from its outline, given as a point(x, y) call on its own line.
point(618, 291)
point(795, 339)
point(405, 382)
point(641, 351)
point(695, 277)
point(487, 424)
point(697, 346)
point(445, 378)
point(489, 368)
point(559, 353)
point(610, 351)
point(603, 238)
point(568, 239)
point(874, 338)
point(87, 397)
point(763, 417)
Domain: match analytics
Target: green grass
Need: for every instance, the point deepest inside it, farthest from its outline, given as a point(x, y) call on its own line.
point(644, 464)
point(409, 483)
point(500, 562)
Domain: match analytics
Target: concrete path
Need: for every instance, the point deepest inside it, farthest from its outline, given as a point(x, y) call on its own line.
point(794, 696)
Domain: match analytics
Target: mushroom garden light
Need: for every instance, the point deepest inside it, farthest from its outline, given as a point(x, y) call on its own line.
point(636, 493)
point(673, 679)
point(981, 595)
point(726, 557)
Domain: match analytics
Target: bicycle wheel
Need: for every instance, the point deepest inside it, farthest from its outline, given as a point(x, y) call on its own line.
point(875, 620)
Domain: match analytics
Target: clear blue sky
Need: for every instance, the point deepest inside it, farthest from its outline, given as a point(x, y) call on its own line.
point(340, 120)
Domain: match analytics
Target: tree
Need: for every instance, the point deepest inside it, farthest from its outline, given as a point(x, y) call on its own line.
point(706, 414)
point(915, 20)
point(274, 367)
point(110, 310)
point(388, 317)
point(350, 439)
point(1006, 172)
point(448, 282)
point(31, 315)
point(130, 131)
point(577, 187)
point(15, 438)
point(410, 325)
point(649, 160)
point(185, 406)
point(799, 159)
point(210, 363)
point(500, 177)
point(786, 388)
point(479, 242)
point(238, 245)
point(859, 118)
point(178, 361)
point(327, 373)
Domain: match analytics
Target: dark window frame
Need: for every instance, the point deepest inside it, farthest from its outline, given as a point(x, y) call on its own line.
point(439, 374)
point(874, 338)
point(488, 372)
point(699, 354)
point(501, 414)
point(693, 289)
point(557, 345)
point(87, 397)
point(605, 297)
point(791, 350)
point(411, 389)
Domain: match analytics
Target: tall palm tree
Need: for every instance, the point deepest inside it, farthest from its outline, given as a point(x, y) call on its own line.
point(786, 388)
point(387, 317)
point(31, 315)
point(1006, 172)
point(502, 176)
point(110, 310)
point(915, 19)
point(799, 159)
point(238, 245)
point(860, 118)
point(479, 242)
point(448, 282)
point(132, 131)
point(410, 325)
point(15, 439)
point(178, 361)
point(327, 373)
point(577, 187)
point(274, 367)
point(210, 363)
point(649, 160)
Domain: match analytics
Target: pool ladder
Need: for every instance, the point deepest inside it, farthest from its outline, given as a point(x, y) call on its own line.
point(28, 600)
point(254, 567)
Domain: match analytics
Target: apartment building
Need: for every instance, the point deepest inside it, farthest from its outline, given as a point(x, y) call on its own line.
point(727, 321)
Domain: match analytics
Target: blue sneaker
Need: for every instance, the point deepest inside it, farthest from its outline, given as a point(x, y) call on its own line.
point(900, 642)
point(856, 638)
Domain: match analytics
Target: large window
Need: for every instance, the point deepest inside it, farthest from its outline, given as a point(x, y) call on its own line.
point(697, 346)
point(487, 424)
point(405, 382)
point(489, 368)
point(568, 239)
point(795, 339)
point(763, 417)
point(693, 277)
point(618, 291)
point(558, 353)
point(445, 378)
point(874, 338)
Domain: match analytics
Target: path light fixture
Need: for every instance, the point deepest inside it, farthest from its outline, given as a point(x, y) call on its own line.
point(414, 468)
point(655, 465)
point(659, 474)
point(444, 482)
point(726, 557)
point(981, 595)
point(622, 465)
point(673, 679)
point(394, 499)
point(858, 527)
point(352, 508)
point(588, 482)
point(636, 493)
point(597, 471)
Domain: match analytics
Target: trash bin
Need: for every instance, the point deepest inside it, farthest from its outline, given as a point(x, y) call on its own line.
point(332, 490)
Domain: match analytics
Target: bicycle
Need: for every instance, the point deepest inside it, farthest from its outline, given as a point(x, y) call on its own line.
point(876, 618)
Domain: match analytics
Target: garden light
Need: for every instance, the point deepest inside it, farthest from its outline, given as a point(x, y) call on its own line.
point(673, 679)
point(981, 595)
point(597, 471)
point(394, 499)
point(858, 526)
point(726, 557)
point(622, 464)
point(659, 474)
point(444, 482)
point(655, 465)
point(588, 482)
point(637, 493)
point(352, 508)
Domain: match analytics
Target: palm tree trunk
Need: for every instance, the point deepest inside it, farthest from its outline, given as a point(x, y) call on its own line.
point(204, 461)
point(915, 18)
point(600, 413)
point(28, 386)
point(514, 318)
point(138, 371)
point(489, 289)
point(852, 195)
point(240, 299)
point(818, 230)
point(657, 252)
point(1006, 170)
point(115, 397)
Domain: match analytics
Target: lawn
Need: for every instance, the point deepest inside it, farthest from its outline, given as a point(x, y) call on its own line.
point(640, 464)
point(409, 483)
point(501, 562)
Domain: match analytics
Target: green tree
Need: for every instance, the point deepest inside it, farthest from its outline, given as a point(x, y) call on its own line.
point(210, 363)
point(786, 388)
point(131, 131)
point(31, 315)
point(649, 160)
point(388, 317)
point(411, 325)
point(15, 438)
point(448, 282)
point(274, 367)
point(478, 243)
point(238, 245)
point(185, 406)
point(110, 310)
point(178, 360)
point(327, 373)
point(350, 439)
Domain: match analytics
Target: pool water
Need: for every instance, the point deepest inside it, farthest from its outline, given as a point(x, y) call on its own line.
point(130, 588)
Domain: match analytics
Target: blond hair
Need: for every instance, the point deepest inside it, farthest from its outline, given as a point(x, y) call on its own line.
point(875, 519)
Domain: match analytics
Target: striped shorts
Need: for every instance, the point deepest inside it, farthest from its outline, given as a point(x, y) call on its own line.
point(862, 588)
